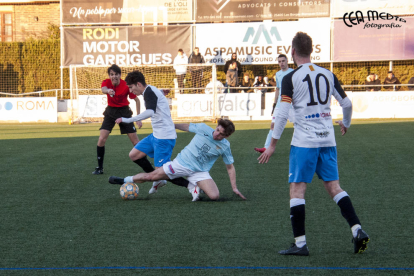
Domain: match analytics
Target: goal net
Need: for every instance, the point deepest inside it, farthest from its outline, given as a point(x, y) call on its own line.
point(192, 94)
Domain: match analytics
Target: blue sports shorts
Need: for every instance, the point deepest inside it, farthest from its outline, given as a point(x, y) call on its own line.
point(304, 162)
point(159, 149)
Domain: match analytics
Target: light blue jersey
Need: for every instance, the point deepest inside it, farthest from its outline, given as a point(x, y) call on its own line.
point(203, 150)
point(279, 76)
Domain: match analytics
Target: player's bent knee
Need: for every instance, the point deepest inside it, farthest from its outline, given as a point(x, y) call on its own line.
point(214, 196)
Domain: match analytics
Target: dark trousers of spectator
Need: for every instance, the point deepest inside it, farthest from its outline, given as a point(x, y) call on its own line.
point(196, 77)
point(180, 80)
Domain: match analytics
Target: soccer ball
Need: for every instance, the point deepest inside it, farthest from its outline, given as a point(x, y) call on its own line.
point(129, 191)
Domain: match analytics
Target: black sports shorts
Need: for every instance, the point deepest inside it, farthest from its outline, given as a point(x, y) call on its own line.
point(113, 113)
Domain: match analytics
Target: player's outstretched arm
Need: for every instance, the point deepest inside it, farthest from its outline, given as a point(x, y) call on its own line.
point(106, 90)
point(138, 105)
point(232, 175)
point(183, 127)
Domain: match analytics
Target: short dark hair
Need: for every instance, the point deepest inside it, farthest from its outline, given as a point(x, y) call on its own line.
point(114, 68)
point(389, 72)
point(196, 48)
point(282, 56)
point(228, 126)
point(134, 77)
point(180, 50)
point(302, 43)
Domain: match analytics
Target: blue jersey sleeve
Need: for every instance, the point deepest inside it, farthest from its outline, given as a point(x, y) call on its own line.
point(228, 157)
point(200, 128)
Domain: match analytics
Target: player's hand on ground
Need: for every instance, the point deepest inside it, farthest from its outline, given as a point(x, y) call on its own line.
point(139, 124)
point(237, 192)
point(265, 156)
point(343, 128)
point(118, 121)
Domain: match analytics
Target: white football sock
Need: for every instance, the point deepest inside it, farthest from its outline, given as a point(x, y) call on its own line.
point(300, 241)
point(355, 229)
point(128, 179)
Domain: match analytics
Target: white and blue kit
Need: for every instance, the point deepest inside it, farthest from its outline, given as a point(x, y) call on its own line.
point(160, 144)
point(313, 149)
point(279, 77)
point(198, 157)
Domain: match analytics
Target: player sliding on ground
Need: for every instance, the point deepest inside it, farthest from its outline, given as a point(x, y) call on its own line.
point(313, 149)
point(196, 160)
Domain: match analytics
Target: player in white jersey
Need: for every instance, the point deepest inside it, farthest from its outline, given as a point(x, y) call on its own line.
point(196, 160)
point(313, 149)
point(160, 144)
point(284, 70)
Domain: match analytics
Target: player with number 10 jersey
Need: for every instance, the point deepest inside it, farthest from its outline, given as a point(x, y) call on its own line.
point(310, 88)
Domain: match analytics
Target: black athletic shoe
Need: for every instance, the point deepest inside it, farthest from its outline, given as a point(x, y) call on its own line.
point(116, 180)
point(98, 171)
point(361, 241)
point(294, 250)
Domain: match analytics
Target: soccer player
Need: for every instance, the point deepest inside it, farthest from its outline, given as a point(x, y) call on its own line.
point(196, 160)
point(160, 144)
point(117, 93)
point(313, 149)
point(284, 70)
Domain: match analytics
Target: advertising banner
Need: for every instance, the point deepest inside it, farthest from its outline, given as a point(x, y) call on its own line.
point(261, 43)
point(93, 106)
point(259, 10)
point(124, 45)
point(373, 40)
point(394, 7)
point(77, 12)
point(228, 104)
point(42, 109)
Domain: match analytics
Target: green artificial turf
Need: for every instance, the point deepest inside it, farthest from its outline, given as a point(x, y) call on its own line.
point(56, 214)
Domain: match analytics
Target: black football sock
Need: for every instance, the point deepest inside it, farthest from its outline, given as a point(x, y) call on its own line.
point(179, 181)
point(101, 153)
point(297, 218)
point(348, 211)
point(145, 164)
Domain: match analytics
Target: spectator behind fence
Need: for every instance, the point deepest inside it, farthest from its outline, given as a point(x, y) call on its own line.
point(233, 59)
point(260, 82)
point(247, 83)
point(210, 87)
point(411, 81)
point(232, 78)
point(375, 83)
point(180, 67)
point(196, 72)
point(391, 79)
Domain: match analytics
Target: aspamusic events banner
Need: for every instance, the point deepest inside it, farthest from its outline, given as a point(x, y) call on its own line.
point(374, 40)
point(124, 45)
point(228, 104)
point(125, 11)
point(261, 43)
point(42, 109)
point(394, 7)
point(259, 10)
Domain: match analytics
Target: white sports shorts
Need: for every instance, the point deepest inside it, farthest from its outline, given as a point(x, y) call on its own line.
point(174, 169)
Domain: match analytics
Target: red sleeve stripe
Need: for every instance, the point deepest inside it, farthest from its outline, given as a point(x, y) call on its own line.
point(286, 99)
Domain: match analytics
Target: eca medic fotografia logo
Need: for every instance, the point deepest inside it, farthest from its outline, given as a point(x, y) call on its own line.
point(384, 20)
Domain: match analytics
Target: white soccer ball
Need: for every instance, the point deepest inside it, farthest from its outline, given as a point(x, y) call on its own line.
point(129, 191)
